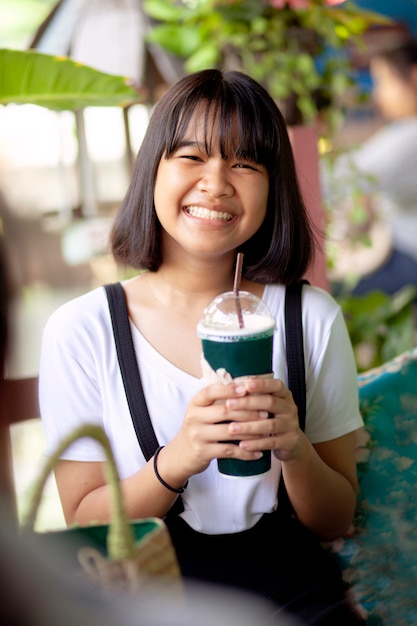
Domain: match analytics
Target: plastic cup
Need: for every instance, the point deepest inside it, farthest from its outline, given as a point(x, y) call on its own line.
point(239, 351)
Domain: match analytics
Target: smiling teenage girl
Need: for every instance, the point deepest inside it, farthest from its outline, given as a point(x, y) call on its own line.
point(215, 175)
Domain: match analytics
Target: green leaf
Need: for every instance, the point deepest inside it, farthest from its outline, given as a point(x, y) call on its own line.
point(163, 11)
point(400, 336)
point(381, 323)
point(244, 11)
point(206, 57)
point(59, 83)
point(402, 298)
point(179, 40)
point(259, 26)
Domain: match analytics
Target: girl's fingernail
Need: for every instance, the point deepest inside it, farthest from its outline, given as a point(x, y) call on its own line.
point(234, 428)
point(263, 414)
point(240, 389)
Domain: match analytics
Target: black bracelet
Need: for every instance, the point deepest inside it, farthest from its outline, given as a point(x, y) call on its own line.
point(161, 480)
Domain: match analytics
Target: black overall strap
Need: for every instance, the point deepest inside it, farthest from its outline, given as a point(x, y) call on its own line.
point(130, 370)
point(295, 348)
point(131, 378)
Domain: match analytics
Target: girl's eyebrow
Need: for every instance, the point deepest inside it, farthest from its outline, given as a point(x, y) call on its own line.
point(187, 143)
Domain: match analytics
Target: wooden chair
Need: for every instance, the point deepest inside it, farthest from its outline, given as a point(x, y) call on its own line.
point(18, 402)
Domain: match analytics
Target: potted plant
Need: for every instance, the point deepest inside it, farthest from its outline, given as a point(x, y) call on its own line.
point(298, 49)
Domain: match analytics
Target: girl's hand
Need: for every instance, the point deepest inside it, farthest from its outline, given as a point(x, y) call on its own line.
point(280, 432)
point(260, 413)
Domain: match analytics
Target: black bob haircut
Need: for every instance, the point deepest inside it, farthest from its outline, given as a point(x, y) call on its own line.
point(250, 126)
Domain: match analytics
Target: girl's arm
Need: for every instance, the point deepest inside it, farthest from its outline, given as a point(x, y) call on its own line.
point(82, 487)
point(86, 497)
point(322, 485)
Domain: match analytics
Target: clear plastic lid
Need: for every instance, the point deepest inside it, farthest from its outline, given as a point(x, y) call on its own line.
point(229, 313)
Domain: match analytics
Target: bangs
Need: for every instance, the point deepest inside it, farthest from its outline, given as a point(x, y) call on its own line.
point(234, 123)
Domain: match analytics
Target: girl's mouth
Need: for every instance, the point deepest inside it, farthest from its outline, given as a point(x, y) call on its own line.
point(208, 214)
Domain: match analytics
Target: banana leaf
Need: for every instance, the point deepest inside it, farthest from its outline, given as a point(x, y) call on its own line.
point(59, 83)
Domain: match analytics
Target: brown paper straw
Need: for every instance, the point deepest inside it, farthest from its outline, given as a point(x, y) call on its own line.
point(236, 285)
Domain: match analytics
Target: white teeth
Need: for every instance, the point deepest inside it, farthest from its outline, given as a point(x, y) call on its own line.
point(199, 211)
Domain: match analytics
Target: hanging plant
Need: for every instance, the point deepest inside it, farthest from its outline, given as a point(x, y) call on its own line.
point(296, 48)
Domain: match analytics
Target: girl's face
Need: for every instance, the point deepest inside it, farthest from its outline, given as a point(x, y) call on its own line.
point(394, 95)
point(208, 205)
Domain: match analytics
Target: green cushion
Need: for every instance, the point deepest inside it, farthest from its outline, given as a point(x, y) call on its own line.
point(380, 558)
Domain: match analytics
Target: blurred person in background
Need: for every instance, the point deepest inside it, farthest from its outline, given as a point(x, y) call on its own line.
point(384, 170)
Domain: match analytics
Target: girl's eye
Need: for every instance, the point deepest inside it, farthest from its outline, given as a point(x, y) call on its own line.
point(192, 157)
point(250, 166)
point(186, 154)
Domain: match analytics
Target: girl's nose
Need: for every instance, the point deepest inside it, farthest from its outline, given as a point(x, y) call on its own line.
point(215, 179)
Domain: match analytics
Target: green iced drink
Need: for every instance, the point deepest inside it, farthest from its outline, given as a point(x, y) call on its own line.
point(237, 339)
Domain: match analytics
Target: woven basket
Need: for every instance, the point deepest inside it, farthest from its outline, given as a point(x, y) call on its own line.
point(125, 555)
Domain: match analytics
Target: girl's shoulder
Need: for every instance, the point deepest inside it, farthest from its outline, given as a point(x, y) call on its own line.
point(88, 309)
point(315, 300)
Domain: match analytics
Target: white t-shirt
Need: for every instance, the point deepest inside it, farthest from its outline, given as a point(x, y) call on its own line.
point(80, 382)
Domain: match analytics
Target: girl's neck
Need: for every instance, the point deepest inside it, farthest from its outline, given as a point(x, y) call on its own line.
point(192, 289)
point(196, 278)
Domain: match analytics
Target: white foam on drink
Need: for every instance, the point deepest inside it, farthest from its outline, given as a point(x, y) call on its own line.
point(229, 326)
